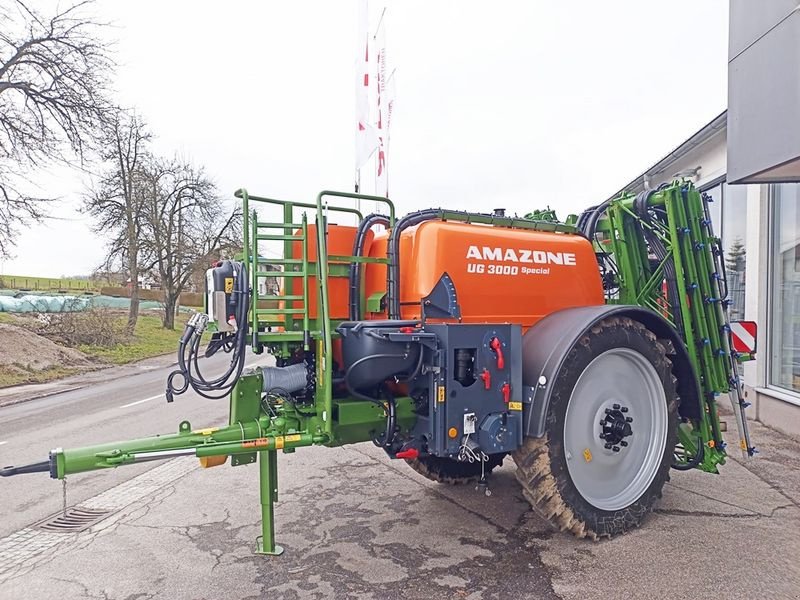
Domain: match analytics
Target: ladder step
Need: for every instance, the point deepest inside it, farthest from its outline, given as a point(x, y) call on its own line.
point(279, 225)
point(280, 261)
point(284, 336)
point(280, 311)
point(271, 236)
point(279, 297)
point(279, 274)
point(357, 259)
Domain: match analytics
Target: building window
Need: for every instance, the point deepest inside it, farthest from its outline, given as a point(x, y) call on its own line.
point(734, 230)
point(727, 205)
point(785, 314)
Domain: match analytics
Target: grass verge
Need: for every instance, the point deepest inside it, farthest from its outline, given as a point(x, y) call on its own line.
point(149, 339)
point(22, 375)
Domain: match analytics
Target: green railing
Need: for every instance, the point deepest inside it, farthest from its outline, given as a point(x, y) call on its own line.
point(278, 326)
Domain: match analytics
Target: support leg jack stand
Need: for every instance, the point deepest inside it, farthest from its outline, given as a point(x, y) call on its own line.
point(483, 483)
point(268, 475)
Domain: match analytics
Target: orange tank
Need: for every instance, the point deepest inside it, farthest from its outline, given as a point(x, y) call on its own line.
point(340, 243)
point(500, 274)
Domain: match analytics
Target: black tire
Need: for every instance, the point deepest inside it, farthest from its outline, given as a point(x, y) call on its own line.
point(542, 462)
point(451, 471)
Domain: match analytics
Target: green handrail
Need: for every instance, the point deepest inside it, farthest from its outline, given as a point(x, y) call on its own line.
point(325, 317)
point(242, 193)
point(355, 196)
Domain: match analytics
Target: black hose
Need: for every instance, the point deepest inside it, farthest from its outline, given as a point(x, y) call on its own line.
point(417, 368)
point(386, 440)
point(393, 253)
point(235, 343)
point(355, 268)
point(361, 360)
point(391, 422)
point(641, 208)
point(590, 224)
point(692, 462)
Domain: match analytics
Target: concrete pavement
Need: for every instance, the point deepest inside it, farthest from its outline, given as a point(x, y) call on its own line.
point(106, 405)
point(356, 525)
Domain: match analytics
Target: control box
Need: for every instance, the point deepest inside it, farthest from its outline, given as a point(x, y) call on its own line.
point(475, 389)
point(220, 299)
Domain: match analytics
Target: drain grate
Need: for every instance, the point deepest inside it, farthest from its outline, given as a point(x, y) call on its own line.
point(75, 519)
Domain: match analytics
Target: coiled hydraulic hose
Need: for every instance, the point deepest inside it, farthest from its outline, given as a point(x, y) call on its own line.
point(235, 343)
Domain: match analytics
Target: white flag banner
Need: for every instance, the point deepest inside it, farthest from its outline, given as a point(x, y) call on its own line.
point(389, 93)
point(366, 137)
point(382, 113)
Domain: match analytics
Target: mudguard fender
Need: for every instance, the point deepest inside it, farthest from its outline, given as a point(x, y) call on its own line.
point(546, 345)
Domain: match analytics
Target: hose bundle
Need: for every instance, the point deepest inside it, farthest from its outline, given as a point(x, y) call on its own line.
point(234, 343)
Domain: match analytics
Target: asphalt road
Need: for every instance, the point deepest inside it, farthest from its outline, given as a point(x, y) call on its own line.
point(357, 525)
point(117, 409)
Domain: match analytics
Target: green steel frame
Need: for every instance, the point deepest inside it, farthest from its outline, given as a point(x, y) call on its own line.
point(260, 425)
point(700, 313)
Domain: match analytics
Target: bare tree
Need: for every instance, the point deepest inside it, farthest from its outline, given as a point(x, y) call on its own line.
point(185, 223)
point(53, 94)
point(116, 202)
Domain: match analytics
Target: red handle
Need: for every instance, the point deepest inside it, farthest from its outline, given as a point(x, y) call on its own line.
point(506, 390)
point(497, 346)
point(486, 377)
point(408, 454)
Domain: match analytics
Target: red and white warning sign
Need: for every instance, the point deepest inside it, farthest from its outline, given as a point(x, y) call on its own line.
point(743, 336)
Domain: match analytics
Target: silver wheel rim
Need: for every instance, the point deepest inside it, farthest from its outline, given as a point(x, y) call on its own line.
point(606, 479)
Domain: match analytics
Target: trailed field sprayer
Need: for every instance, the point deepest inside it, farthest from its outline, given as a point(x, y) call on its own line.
point(591, 351)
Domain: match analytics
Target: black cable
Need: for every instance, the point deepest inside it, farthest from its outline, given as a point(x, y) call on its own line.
point(235, 344)
point(363, 359)
point(355, 268)
point(692, 462)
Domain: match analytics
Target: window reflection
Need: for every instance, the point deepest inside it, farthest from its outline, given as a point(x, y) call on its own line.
point(734, 228)
point(785, 317)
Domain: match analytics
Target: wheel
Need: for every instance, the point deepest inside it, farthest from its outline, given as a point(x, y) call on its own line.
point(451, 471)
point(610, 433)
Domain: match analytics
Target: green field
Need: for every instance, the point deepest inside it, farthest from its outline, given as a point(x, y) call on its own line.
point(49, 284)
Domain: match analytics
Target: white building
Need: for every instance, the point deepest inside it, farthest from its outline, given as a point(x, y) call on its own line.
point(760, 229)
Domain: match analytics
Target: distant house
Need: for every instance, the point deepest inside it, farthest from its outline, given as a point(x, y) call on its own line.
point(145, 283)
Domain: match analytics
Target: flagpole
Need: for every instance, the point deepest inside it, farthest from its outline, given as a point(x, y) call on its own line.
point(378, 27)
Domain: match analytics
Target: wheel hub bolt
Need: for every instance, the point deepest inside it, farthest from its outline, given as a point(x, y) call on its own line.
point(615, 426)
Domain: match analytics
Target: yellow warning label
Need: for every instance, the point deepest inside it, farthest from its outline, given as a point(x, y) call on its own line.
point(587, 455)
point(515, 406)
point(742, 445)
point(206, 431)
point(440, 397)
point(279, 442)
point(295, 437)
point(229, 285)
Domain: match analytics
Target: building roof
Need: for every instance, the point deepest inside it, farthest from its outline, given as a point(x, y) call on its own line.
point(717, 125)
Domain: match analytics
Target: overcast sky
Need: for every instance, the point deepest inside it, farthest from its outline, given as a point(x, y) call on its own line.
point(512, 104)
